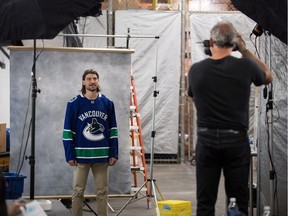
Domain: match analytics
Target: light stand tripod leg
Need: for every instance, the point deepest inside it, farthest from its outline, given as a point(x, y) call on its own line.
point(110, 207)
point(155, 188)
point(128, 202)
point(92, 210)
point(158, 190)
point(154, 197)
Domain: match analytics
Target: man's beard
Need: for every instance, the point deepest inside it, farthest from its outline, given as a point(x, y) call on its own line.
point(91, 89)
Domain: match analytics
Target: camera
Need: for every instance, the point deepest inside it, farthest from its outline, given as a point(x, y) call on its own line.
point(207, 51)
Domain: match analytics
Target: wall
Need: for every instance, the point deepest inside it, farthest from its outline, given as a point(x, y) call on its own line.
point(5, 90)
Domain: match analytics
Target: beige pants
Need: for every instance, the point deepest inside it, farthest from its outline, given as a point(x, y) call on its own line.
point(100, 174)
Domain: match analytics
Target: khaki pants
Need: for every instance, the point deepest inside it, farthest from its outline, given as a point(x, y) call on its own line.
point(100, 174)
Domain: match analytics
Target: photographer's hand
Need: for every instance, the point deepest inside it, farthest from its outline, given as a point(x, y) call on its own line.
point(14, 209)
point(240, 44)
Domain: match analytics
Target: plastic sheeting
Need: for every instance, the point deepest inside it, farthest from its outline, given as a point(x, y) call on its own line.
point(93, 25)
point(160, 58)
point(272, 140)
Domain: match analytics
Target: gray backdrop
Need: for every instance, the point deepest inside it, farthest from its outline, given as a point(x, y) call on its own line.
point(59, 75)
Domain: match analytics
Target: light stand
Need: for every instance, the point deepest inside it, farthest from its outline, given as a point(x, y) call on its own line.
point(153, 187)
point(34, 95)
point(34, 92)
point(272, 173)
point(153, 133)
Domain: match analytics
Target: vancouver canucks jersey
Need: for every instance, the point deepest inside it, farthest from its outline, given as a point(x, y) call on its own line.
point(90, 130)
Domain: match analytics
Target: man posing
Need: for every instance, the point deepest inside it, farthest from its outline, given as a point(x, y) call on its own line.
point(90, 139)
point(220, 87)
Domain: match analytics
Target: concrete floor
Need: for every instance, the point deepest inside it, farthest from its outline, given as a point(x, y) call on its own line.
point(175, 182)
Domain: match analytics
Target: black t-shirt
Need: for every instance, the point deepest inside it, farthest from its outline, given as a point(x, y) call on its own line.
point(221, 91)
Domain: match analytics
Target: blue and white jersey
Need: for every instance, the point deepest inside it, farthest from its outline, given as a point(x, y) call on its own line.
point(90, 130)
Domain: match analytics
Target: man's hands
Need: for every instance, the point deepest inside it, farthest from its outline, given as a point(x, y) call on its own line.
point(72, 163)
point(14, 209)
point(240, 43)
point(112, 161)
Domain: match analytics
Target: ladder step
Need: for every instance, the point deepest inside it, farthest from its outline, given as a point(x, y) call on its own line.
point(135, 147)
point(136, 168)
point(135, 115)
point(135, 189)
point(132, 108)
point(137, 159)
point(134, 127)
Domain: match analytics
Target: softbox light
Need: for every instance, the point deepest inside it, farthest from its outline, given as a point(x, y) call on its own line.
point(41, 19)
point(270, 14)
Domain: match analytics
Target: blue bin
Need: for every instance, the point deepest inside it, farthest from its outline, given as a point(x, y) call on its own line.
point(15, 185)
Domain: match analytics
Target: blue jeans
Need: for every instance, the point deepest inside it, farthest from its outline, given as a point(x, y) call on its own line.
point(217, 150)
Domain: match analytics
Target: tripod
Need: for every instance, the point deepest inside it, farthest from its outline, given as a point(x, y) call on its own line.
point(152, 182)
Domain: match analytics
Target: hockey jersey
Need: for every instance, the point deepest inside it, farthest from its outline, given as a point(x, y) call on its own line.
point(90, 132)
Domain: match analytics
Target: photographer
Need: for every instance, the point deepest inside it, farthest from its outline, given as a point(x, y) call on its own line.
point(220, 88)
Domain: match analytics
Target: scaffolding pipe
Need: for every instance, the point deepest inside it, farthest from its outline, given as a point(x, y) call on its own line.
point(113, 36)
point(182, 83)
point(110, 24)
point(155, 3)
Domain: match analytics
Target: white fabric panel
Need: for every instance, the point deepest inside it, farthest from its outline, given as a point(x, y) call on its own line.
point(93, 25)
point(155, 57)
point(201, 24)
